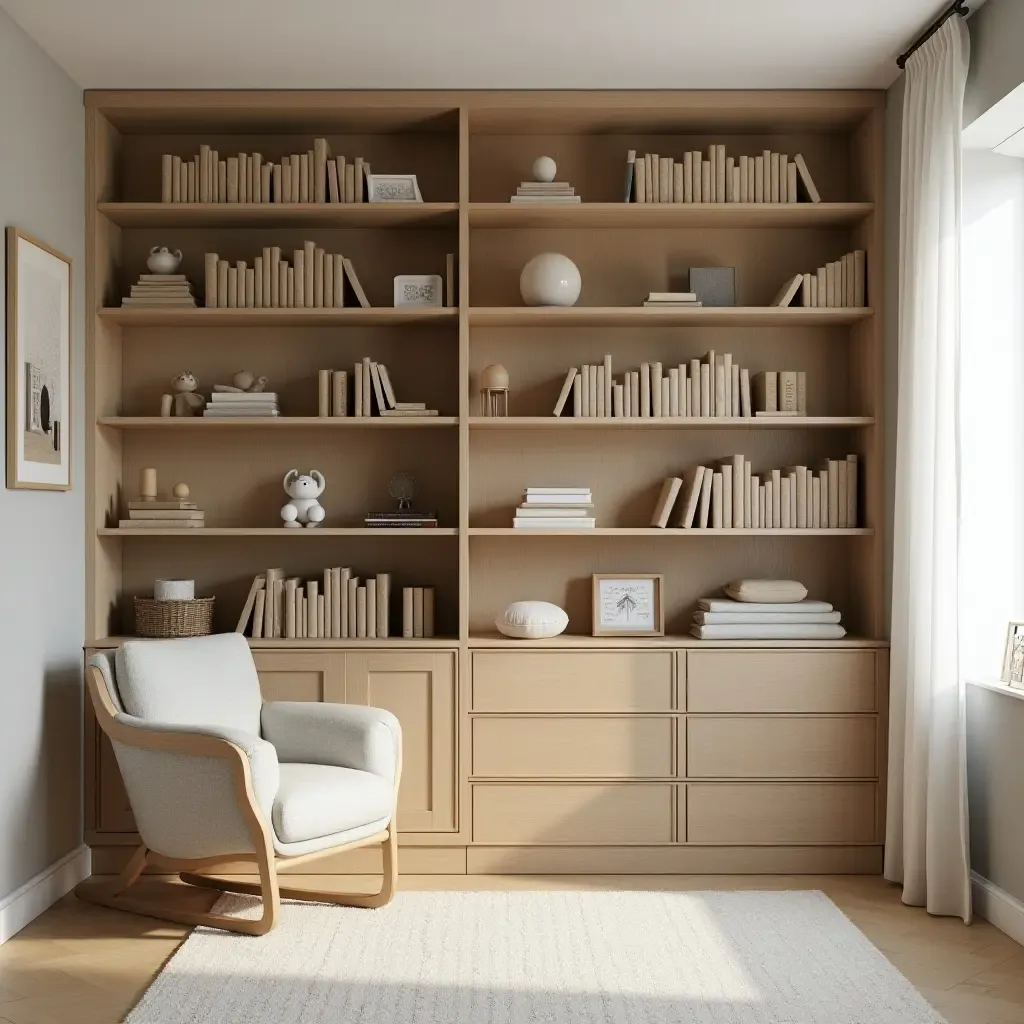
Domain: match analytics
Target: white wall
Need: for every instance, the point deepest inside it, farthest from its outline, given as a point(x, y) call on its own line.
point(42, 587)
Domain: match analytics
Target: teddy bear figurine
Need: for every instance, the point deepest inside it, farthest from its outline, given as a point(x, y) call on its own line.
point(244, 380)
point(186, 401)
point(304, 489)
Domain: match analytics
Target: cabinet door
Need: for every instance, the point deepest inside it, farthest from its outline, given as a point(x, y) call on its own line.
point(418, 687)
point(301, 675)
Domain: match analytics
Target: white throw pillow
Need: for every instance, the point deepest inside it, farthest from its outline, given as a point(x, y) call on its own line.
point(766, 591)
point(531, 620)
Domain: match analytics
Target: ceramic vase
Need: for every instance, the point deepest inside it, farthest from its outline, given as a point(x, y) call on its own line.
point(550, 279)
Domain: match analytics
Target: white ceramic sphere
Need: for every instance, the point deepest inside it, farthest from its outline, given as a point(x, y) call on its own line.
point(544, 169)
point(550, 279)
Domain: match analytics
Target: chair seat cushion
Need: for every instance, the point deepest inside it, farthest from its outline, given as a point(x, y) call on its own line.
point(315, 800)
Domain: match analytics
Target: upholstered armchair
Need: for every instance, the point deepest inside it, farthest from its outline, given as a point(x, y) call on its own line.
point(215, 775)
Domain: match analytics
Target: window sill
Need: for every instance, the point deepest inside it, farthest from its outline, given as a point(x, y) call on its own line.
point(998, 687)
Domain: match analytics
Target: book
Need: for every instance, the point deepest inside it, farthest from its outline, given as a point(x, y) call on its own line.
point(353, 280)
point(705, 498)
point(672, 297)
point(378, 388)
point(693, 480)
point(787, 394)
point(554, 523)
point(554, 512)
point(161, 524)
point(563, 395)
point(177, 515)
point(666, 500)
point(788, 291)
point(367, 374)
point(805, 179)
point(859, 277)
point(852, 500)
point(250, 601)
point(745, 408)
point(161, 505)
point(389, 392)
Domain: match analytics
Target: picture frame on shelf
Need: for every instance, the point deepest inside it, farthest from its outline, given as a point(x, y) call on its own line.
point(1013, 656)
point(627, 604)
point(392, 188)
point(39, 421)
point(419, 290)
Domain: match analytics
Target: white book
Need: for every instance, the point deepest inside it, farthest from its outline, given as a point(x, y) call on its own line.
point(693, 480)
point(805, 179)
point(563, 395)
point(666, 500)
point(559, 490)
point(524, 512)
point(705, 499)
point(554, 524)
point(747, 619)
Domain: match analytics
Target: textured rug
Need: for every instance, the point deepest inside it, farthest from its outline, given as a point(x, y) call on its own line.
point(540, 958)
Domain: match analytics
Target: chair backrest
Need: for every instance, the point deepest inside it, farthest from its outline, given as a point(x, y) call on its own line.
point(208, 680)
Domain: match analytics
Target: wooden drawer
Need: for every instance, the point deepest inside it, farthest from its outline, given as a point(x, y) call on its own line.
point(564, 747)
point(804, 747)
point(781, 813)
point(572, 681)
point(780, 681)
point(599, 814)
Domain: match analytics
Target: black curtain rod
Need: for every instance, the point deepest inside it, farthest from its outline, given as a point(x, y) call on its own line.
point(957, 7)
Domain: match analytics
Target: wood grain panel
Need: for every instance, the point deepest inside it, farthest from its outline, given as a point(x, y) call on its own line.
point(562, 747)
point(295, 675)
point(572, 681)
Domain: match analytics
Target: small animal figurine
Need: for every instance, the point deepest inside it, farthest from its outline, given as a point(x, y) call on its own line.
point(304, 489)
point(244, 380)
point(162, 260)
point(186, 401)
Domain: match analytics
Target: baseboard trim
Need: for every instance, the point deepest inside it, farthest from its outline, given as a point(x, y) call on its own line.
point(998, 907)
point(40, 893)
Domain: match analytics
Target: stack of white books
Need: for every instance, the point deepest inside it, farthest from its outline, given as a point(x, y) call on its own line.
point(545, 192)
point(721, 618)
point(241, 404)
point(669, 300)
point(163, 515)
point(161, 290)
point(555, 508)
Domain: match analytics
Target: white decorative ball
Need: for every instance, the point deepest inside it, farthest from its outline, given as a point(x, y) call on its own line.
point(550, 279)
point(544, 169)
point(532, 620)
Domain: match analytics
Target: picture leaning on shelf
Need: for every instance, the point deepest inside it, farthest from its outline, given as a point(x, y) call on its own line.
point(717, 178)
point(840, 284)
point(729, 496)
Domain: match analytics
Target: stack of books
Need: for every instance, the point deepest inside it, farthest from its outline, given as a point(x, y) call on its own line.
point(720, 618)
point(241, 404)
point(163, 515)
point(402, 518)
point(555, 508)
point(161, 290)
point(667, 300)
point(545, 192)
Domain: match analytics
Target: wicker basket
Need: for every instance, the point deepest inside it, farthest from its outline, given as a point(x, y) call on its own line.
point(173, 618)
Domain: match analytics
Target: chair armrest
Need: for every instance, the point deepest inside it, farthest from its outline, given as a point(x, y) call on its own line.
point(344, 735)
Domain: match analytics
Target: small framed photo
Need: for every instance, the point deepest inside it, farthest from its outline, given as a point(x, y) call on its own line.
point(418, 290)
point(627, 604)
point(1013, 656)
point(392, 188)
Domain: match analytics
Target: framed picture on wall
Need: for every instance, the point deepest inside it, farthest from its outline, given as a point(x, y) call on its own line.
point(627, 604)
point(38, 365)
point(1013, 656)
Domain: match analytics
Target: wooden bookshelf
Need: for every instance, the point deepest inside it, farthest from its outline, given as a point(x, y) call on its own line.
point(469, 151)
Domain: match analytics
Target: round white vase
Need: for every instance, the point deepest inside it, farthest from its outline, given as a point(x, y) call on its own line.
point(550, 279)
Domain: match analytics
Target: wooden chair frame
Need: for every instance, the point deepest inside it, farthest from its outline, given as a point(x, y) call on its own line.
point(114, 893)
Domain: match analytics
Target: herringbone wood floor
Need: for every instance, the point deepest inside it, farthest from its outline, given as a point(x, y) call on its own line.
point(79, 964)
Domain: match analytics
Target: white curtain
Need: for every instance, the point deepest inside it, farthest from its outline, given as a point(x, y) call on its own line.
point(926, 831)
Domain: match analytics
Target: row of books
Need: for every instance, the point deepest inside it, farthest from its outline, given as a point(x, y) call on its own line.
point(315, 279)
point(729, 496)
point(714, 386)
point(161, 290)
point(241, 404)
point(842, 283)
point(555, 508)
point(720, 618)
point(311, 177)
point(373, 393)
point(543, 192)
point(718, 178)
point(163, 515)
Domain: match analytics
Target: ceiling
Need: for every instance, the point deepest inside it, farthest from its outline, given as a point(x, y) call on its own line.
point(476, 44)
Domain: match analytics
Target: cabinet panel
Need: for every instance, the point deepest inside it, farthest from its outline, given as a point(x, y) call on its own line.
point(804, 747)
point(781, 813)
point(565, 747)
point(781, 681)
point(419, 688)
point(114, 811)
point(572, 681)
point(301, 675)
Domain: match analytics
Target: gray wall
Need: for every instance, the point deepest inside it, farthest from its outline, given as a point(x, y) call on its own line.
point(997, 34)
point(42, 190)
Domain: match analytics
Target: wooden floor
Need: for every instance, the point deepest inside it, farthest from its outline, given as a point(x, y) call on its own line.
point(79, 964)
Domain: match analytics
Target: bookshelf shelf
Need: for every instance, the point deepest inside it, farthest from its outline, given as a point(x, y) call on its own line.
point(280, 533)
point(668, 215)
point(641, 316)
point(280, 215)
point(318, 643)
point(191, 424)
point(484, 641)
point(651, 531)
point(200, 316)
point(666, 423)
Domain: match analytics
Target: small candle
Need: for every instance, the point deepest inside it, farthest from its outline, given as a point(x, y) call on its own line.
point(147, 484)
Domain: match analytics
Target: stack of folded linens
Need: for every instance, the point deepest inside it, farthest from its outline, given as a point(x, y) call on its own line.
point(765, 610)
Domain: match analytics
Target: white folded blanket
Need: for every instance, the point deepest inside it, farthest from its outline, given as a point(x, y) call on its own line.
point(768, 631)
point(756, 618)
point(723, 604)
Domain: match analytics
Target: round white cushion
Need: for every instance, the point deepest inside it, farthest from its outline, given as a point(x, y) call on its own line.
point(532, 620)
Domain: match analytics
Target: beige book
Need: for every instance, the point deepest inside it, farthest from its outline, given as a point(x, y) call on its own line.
point(278, 183)
point(353, 606)
point(250, 602)
point(719, 392)
point(698, 177)
point(289, 286)
point(290, 591)
point(232, 179)
point(766, 156)
point(318, 278)
point(716, 501)
point(813, 288)
point(756, 502)
point(259, 615)
point(563, 395)
point(618, 401)
point(645, 391)
point(192, 189)
point(244, 178)
point(720, 171)
point(730, 166)
point(693, 404)
point(805, 290)
point(350, 183)
point(831, 291)
point(232, 301)
point(783, 178)
point(775, 178)
point(183, 181)
point(768, 517)
point(339, 280)
point(656, 375)
point(595, 390)
point(250, 287)
point(841, 496)
point(665, 397)
point(742, 194)
point(736, 180)
point(815, 500)
point(684, 390)
point(360, 180)
point(705, 182)
point(669, 173)
point(417, 611)
point(609, 382)
point(286, 180)
point(378, 388)
point(738, 477)
point(785, 502)
point(598, 379)
point(859, 278)
point(361, 612)
point(822, 290)
point(389, 392)
point(787, 395)
point(266, 172)
point(686, 169)
point(673, 393)
point(346, 576)
point(655, 192)
point(257, 178)
point(689, 496)
point(705, 499)
point(210, 279)
point(750, 179)
point(304, 178)
point(801, 392)
point(319, 171)
point(266, 264)
point(321, 616)
point(640, 180)
point(273, 576)
point(324, 392)
point(407, 603)
point(204, 174)
point(726, 471)
point(275, 276)
point(367, 386)
point(726, 408)
point(734, 390)
point(383, 604)
point(776, 498)
point(801, 498)
point(299, 265)
point(339, 393)
point(791, 196)
point(805, 179)
point(705, 390)
point(585, 400)
point(333, 195)
point(166, 178)
point(666, 501)
point(357, 385)
point(428, 611)
point(679, 180)
point(746, 409)
point(627, 394)
point(309, 270)
point(711, 192)
point(833, 494)
point(759, 179)
point(841, 282)
point(342, 169)
point(221, 171)
point(664, 177)
point(328, 280)
point(634, 396)
point(371, 609)
point(312, 600)
point(852, 498)
point(647, 173)
point(222, 283)
point(295, 172)
point(748, 492)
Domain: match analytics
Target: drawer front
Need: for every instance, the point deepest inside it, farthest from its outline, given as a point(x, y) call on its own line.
point(781, 681)
point(572, 681)
point(562, 747)
point(598, 814)
point(807, 747)
point(781, 813)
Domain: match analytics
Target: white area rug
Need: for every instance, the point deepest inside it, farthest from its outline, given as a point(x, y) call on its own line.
point(551, 957)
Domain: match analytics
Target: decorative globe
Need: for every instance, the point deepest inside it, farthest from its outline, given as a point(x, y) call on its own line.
point(550, 279)
point(544, 169)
